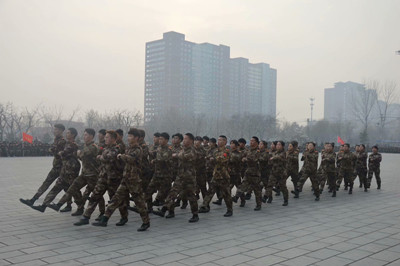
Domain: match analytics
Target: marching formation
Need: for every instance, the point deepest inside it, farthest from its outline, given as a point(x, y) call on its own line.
point(190, 168)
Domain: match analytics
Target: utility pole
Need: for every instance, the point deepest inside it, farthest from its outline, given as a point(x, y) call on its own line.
point(312, 108)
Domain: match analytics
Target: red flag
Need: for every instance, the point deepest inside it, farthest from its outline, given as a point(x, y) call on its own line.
point(339, 140)
point(27, 138)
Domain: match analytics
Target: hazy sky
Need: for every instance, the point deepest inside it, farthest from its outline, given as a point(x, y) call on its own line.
point(92, 53)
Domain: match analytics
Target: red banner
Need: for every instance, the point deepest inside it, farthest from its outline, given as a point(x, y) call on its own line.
point(27, 137)
point(340, 141)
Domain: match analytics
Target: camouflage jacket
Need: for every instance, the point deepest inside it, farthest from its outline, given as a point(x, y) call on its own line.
point(221, 157)
point(235, 162)
point(153, 151)
point(328, 160)
point(186, 157)
point(56, 147)
point(374, 160)
point(292, 161)
point(145, 158)
point(90, 165)
point(200, 162)
point(252, 161)
point(110, 165)
point(278, 159)
point(210, 164)
point(70, 163)
point(122, 146)
point(310, 161)
point(264, 160)
point(133, 161)
point(347, 161)
point(163, 162)
point(361, 163)
point(339, 154)
point(175, 162)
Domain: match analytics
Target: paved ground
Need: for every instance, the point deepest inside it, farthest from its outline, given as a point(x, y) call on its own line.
point(358, 229)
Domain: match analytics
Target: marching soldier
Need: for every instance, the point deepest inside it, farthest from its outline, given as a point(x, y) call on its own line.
point(347, 161)
point(361, 167)
point(374, 166)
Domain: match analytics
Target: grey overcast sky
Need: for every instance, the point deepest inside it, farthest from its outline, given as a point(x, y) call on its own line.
point(91, 53)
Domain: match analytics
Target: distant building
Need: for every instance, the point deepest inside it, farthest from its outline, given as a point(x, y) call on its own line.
point(203, 79)
point(338, 101)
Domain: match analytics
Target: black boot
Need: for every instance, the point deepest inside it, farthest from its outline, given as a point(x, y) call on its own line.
point(296, 194)
point(278, 192)
point(360, 185)
point(177, 203)
point(161, 212)
point(285, 203)
point(122, 222)
point(235, 199)
point(194, 219)
point(102, 222)
point(257, 208)
point(365, 189)
point(334, 193)
point(99, 217)
point(248, 196)
point(78, 212)
point(264, 199)
point(379, 185)
point(351, 189)
point(228, 214)
point(55, 207)
point(143, 227)
point(269, 200)
point(171, 214)
point(184, 204)
point(317, 198)
point(204, 209)
point(84, 220)
point(28, 202)
point(40, 208)
point(67, 208)
point(218, 202)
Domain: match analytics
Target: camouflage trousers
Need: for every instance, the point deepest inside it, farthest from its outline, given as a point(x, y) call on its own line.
point(146, 179)
point(278, 177)
point(331, 178)
point(314, 181)
point(371, 172)
point(251, 183)
point(322, 177)
point(347, 175)
point(51, 177)
point(133, 186)
point(235, 180)
point(75, 189)
point(186, 189)
point(201, 180)
point(162, 184)
point(224, 188)
point(294, 175)
point(104, 184)
point(265, 174)
point(62, 183)
point(362, 176)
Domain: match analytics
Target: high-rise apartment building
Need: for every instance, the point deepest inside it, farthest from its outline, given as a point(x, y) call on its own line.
point(203, 79)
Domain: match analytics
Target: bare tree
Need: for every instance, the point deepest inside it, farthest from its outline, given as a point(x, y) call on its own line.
point(363, 103)
point(387, 95)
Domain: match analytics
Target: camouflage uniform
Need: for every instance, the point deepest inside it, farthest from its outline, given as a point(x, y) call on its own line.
point(310, 171)
point(185, 183)
point(321, 175)
point(292, 166)
point(109, 180)
point(162, 177)
point(347, 166)
point(235, 164)
point(210, 164)
point(200, 168)
point(265, 168)
point(300, 188)
point(130, 184)
point(328, 160)
point(147, 172)
point(69, 171)
point(89, 176)
point(220, 179)
point(252, 178)
point(361, 168)
point(338, 165)
point(278, 174)
point(56, 147)
point(175, 162)
point(374, 163)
